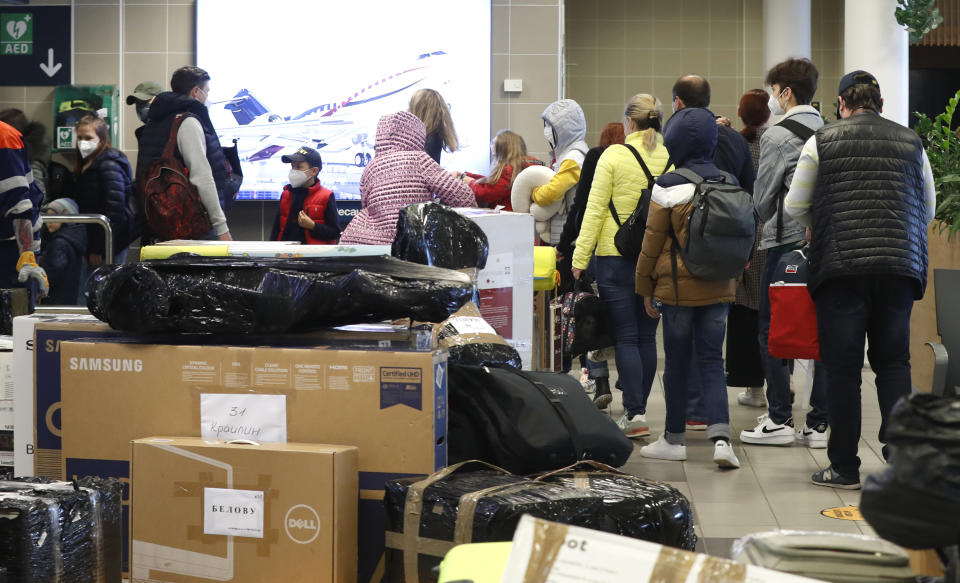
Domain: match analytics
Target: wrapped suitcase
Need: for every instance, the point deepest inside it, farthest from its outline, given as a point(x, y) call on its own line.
point(465, 503)
point(633, 506)
point(528, 422)
point(827, 556)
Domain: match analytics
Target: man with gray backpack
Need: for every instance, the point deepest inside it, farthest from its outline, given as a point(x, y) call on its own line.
point(793, 84)
point(699, 236)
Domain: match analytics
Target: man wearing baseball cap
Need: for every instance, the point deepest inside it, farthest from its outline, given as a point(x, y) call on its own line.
point(142, 96)
point(308, 211)
point(864, 187)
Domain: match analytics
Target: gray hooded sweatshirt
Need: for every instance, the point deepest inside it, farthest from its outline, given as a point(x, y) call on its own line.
point(570, 130)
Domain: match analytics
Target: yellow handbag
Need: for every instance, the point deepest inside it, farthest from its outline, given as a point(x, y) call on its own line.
point(545, 274)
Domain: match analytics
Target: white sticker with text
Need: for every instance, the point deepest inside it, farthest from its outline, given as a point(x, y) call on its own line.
point(233, 512)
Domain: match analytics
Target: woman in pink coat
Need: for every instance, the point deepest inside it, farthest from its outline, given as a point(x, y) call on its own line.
point(400, 174)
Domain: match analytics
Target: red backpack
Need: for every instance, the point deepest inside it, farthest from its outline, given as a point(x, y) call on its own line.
point(793, 317)
point(171, 202)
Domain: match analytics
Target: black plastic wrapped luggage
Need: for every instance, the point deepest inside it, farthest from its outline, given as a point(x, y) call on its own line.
point(914, 501)
point(528, 422)
point(434, 234)
point(87, 534)
point(469, 502)
point(633, 506)
point(30, 539)
point(229, 296)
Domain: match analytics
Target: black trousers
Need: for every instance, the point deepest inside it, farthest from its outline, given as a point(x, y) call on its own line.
point(744, 367)
point(848, 310)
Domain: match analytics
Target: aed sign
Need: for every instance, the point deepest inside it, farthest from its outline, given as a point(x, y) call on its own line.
point(35, 45)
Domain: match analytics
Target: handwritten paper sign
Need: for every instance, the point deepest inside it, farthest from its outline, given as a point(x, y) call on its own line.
point(260, 418)
point(233, 512)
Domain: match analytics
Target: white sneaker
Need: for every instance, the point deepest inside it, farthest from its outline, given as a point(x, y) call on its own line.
point(813, 437)
point(723, 455)
point(769, 433)
point(635, 426)
point(661, 450)
point(752, 397)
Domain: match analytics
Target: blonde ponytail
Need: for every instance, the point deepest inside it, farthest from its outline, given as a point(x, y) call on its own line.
point(646, 111)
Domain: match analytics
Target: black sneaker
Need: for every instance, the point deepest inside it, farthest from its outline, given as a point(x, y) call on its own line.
point(602, 398)
point(831, 479)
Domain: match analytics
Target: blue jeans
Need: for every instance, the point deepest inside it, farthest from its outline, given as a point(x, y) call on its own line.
point(685, 331)
point(849, 309)
point(635, 331)
point(777, 370)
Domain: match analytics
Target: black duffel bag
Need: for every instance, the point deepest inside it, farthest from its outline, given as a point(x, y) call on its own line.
point(528, 422)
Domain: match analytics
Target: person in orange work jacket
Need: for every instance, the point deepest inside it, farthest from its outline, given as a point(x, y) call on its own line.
point(308, 211)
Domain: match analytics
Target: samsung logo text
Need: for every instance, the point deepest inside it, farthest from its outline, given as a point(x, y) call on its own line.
point(106, 364)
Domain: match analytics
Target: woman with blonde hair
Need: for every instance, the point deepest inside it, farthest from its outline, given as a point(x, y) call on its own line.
point(429, 106)
point(623, 174)
point(104, 185)
point(509, 152)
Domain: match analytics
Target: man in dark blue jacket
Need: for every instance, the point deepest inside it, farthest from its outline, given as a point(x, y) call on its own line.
point(732, 155)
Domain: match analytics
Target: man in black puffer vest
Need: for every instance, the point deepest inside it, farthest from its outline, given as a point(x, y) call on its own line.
point(197, 142)
point(865, 188)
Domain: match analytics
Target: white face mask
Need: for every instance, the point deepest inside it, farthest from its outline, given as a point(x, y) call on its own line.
point(774, 105)
point(548, 135)
point(298, 178)
point(87, 147)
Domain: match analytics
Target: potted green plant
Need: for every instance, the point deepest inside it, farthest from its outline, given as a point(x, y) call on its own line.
point(943, 150)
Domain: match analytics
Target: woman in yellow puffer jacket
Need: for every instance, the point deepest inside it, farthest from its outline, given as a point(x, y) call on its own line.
point(620, 179)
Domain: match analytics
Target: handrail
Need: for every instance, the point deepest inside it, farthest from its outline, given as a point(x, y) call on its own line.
point(88, 219)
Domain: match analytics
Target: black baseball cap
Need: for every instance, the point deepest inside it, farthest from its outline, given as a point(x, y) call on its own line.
point(304, 154)
point(857, 78)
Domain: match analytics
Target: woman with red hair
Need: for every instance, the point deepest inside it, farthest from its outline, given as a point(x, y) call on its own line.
point(744, 366)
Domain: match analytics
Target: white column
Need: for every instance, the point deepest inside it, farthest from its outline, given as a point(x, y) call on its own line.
point(874, 42)
point(786, 31)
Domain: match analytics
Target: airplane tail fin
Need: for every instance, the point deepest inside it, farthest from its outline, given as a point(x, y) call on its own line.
point(245, 107)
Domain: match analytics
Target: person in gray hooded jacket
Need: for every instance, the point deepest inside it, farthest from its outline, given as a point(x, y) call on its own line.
point(565, 129)
point(793, 84)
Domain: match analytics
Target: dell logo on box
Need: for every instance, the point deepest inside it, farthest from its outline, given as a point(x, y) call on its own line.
point(302, 524)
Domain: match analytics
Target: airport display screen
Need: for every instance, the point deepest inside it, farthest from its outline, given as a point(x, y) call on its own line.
point(288, 73)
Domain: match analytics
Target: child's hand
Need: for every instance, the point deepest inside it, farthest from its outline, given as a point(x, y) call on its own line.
point(304, 221)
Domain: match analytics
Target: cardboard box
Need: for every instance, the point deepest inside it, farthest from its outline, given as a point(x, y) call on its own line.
point(37, 426)
point(36, 387)
point(207, 511)
point(390, 404)
point(505, 285)
point(549, 552)
point(6, 404)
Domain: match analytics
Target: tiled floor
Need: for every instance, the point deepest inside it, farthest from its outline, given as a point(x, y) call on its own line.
point(771, 489)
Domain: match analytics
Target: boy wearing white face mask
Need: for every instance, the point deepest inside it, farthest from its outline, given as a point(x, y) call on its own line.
point(308, 211)
point(792, 86)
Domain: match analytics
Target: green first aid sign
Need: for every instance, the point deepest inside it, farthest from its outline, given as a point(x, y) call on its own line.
point(16, 33)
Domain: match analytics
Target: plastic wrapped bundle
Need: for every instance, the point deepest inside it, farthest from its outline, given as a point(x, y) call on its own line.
point(111, 523)
point(78, 516)
point(633, 506)
point(470, 502)
point(915, 500)
point(434, 234)
point(229, 296)
point(30, 539)
point(90, 517)
point(471, 340)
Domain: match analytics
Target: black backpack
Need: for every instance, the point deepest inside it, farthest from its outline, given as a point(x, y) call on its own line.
point(721, 230)
point(629, 237)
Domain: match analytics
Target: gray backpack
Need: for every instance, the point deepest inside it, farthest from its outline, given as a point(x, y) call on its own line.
point(721, 230)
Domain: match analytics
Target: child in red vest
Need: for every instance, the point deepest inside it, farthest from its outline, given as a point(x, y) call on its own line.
point(308, 211)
